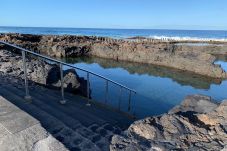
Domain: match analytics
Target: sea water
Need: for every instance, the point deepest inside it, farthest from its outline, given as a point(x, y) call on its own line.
point(121, 33)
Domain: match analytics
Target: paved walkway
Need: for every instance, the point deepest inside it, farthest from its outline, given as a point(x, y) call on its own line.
point(76, 125)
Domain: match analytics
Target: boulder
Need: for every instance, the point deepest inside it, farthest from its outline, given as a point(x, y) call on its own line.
point(70, 78)
point(197, 124)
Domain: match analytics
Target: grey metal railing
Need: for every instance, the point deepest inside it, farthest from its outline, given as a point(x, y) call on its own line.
point(63, 101)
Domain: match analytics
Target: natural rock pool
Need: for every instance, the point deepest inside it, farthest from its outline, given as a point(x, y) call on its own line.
point(158, 88)
point(222, 61)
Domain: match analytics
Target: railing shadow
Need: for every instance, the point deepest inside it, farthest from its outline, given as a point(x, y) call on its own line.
point(67, 123)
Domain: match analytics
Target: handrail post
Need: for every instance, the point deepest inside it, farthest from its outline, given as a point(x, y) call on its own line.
point(106, 93)
point(27, 96)
point(62, 101)
point(129, 101)
point(119, 101)
point(88, 90)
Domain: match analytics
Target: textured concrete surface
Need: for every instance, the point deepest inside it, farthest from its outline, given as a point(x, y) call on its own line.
point(21, 132)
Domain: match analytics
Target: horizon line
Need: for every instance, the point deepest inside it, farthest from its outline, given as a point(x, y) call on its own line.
point(116, 28)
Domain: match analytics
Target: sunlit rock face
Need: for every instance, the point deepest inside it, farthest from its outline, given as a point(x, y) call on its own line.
point(193, 58)
point(197, 124)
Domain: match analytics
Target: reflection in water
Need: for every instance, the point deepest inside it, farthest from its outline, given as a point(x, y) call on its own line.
point(181, 77)
point(158, 88)
point(222, 61)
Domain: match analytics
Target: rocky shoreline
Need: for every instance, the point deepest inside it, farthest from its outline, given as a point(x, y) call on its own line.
point(41, 72)
point(196, 59)
point(198, 123)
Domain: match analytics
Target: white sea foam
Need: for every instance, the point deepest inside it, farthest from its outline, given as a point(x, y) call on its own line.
point(188, 38)
point(121, 34)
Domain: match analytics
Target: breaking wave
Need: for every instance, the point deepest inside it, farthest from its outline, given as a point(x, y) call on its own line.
point(187, 38)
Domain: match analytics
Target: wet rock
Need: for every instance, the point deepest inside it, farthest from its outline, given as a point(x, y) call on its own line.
point(197, 124)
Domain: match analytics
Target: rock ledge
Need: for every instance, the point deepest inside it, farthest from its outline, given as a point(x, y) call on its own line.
point(198, 123)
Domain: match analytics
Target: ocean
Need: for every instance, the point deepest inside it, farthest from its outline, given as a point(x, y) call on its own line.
point(122, 33)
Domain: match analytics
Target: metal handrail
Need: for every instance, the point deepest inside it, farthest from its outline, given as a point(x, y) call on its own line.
point(63, 63)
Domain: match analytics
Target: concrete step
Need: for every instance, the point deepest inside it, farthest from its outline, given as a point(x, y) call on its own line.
point(101, 136)
point(72, 139)
point(101, 111)
point(104, 131)
point(110, 124)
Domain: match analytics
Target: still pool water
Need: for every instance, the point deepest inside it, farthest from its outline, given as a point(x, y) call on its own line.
point(158, 88)
point(222, 61)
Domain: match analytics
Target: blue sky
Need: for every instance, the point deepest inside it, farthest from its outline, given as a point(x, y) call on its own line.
point(153, 14)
